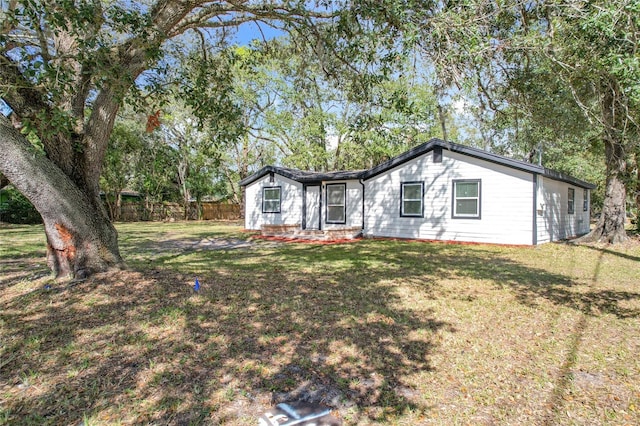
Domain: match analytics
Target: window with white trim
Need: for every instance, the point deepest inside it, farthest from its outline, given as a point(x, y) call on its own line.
point(336, 203)
point(271, 199)
point(411, 199)
point(571, 201)
point(466, 199)
point(585, 200)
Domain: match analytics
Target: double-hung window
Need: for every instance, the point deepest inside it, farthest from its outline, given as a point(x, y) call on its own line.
point(466, 199)
point(571, 203)
point(411, 199)
point(336, 203)
point(271, 199)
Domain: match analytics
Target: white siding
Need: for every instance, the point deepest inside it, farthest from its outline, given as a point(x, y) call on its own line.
point(290, 207)
point(353, 207)
point(506, 201)
point(553, 219)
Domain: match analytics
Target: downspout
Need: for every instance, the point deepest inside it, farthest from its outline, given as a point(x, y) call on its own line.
point(362, 183)
point(535, 210)
point(321, 205)
point(303, 222)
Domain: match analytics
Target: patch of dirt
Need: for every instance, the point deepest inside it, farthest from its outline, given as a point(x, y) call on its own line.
point(237, 243)
point(306, 240)
point(206, 244)
point(209, 244)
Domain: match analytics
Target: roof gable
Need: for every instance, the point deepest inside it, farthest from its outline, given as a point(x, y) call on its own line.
point(415, 152)
point(303, 176)
point(426, 147)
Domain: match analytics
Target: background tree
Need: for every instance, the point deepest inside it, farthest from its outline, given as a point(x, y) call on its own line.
point(152, 178)
point(400, 114)
point(313, 120)
point(15, 208)
point(121, 163)
point(251, 149)
point(196, 160)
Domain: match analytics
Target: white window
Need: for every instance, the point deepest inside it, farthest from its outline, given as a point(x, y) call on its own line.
point(271, 199)
point(585, 200)
point(411, 199)
point(571, 204)
point(336, 203)
point(466, 199)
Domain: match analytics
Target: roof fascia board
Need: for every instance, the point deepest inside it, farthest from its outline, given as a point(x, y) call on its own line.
point(414, 152)
point(265, 171)
point(254, 177)
point(552, 174)
point(301, 177)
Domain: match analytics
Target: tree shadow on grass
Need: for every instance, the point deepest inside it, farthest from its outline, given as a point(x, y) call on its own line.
point(610, 252)
point(317, 323)
point(123, 338)
point(529, 285)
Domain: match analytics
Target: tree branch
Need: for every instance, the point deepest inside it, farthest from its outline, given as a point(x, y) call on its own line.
point(24, 99)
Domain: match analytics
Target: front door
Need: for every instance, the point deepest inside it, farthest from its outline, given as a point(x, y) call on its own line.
point(312, 207)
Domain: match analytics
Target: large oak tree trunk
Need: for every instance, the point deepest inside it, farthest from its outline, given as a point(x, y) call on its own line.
point(610, 228)
point(80, 238)
point(637, 188)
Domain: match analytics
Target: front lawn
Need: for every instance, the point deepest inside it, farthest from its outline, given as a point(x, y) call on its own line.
point(384, 332)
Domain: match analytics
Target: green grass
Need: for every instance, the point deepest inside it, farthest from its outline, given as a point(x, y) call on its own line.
point(385, 332)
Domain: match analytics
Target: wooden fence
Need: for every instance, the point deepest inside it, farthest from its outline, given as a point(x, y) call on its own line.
point(136, 211)
point(219, 211)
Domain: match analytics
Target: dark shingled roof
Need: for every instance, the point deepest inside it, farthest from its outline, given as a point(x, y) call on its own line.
point(303, 176)
point(313, 177)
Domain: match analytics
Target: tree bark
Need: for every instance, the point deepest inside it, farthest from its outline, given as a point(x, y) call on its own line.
point(443, 122)
point(610, 227)
point(118, 211)
point(80, 238)
point(637, 188)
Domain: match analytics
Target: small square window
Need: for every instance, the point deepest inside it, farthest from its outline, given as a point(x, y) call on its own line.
point(411, 199)
point(271, 199)
point(466, 199)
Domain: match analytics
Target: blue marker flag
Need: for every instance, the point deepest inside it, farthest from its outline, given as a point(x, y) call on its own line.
point(196, 286)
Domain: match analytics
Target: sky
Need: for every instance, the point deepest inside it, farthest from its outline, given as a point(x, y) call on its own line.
point(4, 108)
point(252, 30)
